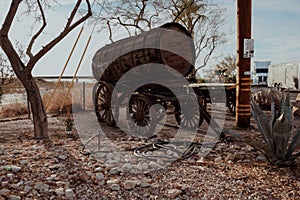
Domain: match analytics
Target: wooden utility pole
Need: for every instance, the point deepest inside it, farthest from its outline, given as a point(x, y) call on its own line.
point(243, 111)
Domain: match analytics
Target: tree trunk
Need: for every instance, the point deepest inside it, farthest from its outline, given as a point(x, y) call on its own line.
point(40, 121)
point(22, 71)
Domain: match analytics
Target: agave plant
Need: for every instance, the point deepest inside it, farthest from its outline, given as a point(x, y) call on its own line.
point(277, 147)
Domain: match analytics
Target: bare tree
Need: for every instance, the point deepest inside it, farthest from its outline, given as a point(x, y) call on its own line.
point(200, 17)
point(204, 21)
point(225, 70)
point(134, 16)
point(228, 65)
point(23, 70)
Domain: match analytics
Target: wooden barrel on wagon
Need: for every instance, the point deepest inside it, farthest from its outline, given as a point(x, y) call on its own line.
point(170, 44)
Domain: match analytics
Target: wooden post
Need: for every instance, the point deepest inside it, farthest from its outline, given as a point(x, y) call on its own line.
point(243, 111)
point(83, 95)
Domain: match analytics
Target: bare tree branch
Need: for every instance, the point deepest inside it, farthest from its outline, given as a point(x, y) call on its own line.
point(5, 43)
point(176, 8)
point(34, 37)
point(196, 21)
point(141, 13)
point(207, 56)
point(151, 19)
point(9, 18)
point(110, 31)
point(179, 12)
point(199, 43)
point(73, 13)
point(69, 27)
point(141, 16)
point(128, 25)
point(14, 58)
point(202, 46)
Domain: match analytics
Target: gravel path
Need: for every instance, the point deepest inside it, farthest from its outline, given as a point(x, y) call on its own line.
point(30, 169)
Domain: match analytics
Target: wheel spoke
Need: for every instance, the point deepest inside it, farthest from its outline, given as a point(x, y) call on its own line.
point(101, 99)
point(144, 123)
point(192, 121)
point(137, 104)
point(145, 107)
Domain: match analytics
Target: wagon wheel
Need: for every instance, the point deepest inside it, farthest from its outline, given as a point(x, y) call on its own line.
point(141, 119)
point(189, 119)
point(103, 108)
point(231, 102)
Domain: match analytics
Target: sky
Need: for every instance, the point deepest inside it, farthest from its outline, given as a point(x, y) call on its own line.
point(275, 30)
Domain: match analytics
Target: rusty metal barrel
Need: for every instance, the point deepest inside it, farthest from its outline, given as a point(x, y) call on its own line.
point(170, 44)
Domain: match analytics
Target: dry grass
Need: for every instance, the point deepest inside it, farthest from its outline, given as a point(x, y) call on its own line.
point(57, 101)
point(13, 110)
point(73, 101)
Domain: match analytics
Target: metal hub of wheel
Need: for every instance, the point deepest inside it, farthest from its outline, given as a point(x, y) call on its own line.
point(140, 116)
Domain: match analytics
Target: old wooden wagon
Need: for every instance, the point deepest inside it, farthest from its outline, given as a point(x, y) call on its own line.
point(169, 45)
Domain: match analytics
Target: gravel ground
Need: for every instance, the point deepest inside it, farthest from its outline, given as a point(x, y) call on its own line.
point(58, 169)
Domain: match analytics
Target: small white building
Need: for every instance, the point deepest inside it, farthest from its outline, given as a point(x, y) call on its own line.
point(284, 75)
point(260, 72)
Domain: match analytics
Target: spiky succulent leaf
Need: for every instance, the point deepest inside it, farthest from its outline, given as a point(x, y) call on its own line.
point(281, 106)
point(256, 144)
point(294, 143)
point(273, 110)
point(261, 147)
point(287, 108)
point(281, 130)
point(263, 125)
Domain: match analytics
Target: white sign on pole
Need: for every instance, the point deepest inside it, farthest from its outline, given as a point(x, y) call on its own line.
point(248, 48)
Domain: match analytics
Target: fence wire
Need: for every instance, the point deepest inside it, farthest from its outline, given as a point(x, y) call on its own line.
point(16, 104)
point(9, 100)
